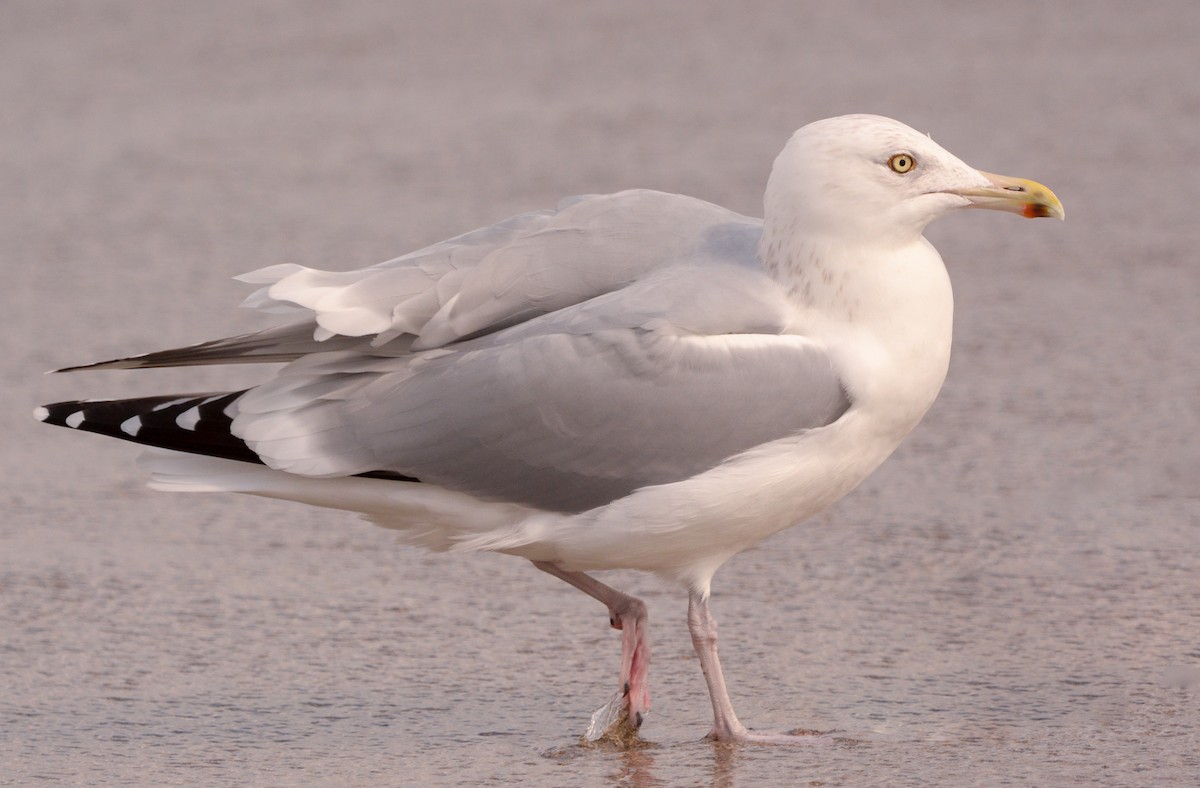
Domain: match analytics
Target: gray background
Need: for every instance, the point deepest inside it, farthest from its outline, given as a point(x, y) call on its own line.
point(1012, 599)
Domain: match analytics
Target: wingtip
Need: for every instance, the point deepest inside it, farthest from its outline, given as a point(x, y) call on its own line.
point(131, 362)
point(41, 413)
point(71, 368)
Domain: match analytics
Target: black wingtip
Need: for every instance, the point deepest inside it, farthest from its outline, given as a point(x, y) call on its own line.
point(193, 423)
point(61, 414)
point(133, 362)
point(196, 423)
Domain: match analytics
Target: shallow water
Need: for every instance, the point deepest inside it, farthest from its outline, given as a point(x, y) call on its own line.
point(1010, 600)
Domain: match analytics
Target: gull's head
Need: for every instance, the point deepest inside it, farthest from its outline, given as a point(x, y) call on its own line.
point(865, 178)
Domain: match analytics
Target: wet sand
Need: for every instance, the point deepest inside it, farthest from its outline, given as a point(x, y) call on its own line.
point(1013, 599)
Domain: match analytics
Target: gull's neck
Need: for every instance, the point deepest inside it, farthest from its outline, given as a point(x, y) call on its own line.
point(884, 310)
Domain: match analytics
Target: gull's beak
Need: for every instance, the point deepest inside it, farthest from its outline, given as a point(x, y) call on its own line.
point(1028, 198)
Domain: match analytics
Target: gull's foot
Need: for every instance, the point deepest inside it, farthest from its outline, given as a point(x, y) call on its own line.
point(796, 736)
point(611, 724)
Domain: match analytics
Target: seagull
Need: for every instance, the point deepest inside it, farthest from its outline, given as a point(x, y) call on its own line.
point(638, 380)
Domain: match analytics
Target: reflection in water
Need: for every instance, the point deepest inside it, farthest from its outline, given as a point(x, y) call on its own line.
point(725, 760)
point(637, 769)
point(635, 765)
point(635, 760)
point(629, 760)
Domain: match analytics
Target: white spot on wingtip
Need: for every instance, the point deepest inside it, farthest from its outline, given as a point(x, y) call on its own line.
point(189, 418)
point(132, 426)
point(74, 420)
point(41, 414)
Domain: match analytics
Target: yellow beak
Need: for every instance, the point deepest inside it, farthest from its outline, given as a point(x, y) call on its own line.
point(1017, 195)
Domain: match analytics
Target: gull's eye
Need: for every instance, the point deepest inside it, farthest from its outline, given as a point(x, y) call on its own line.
point(902, 162)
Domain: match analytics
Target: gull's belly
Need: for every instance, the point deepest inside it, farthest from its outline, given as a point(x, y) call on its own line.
point(686, 529)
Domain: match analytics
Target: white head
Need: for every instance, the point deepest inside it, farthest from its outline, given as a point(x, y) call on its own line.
point(868, 179)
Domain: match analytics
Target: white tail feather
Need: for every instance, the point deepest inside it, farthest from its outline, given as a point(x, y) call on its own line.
point(425, 515)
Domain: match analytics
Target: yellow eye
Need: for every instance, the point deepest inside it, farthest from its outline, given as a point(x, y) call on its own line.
point(902, 162)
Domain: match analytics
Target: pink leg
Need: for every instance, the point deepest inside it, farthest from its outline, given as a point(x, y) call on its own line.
point(704, 639)
point(726, 727)
point(627, 614)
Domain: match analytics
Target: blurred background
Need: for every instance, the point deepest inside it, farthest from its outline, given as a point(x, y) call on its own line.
point(1013, 598)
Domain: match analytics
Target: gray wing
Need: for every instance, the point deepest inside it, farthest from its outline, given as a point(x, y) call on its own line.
point(648, 385)
point(483, 281)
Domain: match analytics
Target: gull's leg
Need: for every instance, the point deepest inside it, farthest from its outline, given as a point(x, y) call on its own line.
point(726, 727)
point(627, 614)
point(704, 639)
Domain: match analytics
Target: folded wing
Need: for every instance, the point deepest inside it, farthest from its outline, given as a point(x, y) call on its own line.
point(566, 411)
point(541, 361)
point(529, 265)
